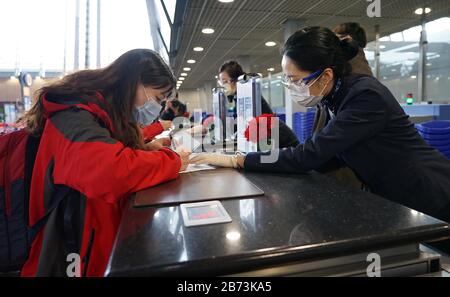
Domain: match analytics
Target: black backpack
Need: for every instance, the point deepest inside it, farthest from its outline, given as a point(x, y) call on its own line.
point(18, 152)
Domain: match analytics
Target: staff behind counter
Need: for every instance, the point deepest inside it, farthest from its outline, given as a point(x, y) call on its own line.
point(366, 128)
point(229, 73)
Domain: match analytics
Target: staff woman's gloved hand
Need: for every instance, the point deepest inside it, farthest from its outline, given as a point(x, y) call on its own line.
point(218, 160)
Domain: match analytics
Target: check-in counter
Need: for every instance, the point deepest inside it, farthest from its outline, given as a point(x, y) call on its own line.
point(420, 113)
point(304, 225)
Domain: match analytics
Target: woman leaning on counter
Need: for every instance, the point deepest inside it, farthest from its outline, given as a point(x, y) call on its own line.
point(367, 130)
point(92, 152)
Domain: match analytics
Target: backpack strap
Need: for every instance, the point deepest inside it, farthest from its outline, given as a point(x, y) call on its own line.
point(72, 222)
point(61, 194)
point(31, 150)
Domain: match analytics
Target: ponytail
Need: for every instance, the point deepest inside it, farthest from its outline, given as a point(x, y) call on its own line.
point(315, 48)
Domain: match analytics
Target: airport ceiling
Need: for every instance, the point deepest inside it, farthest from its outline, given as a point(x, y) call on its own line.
point(243, 27)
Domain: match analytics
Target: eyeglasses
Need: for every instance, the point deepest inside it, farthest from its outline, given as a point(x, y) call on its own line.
point(226, 82)
point(288, 82)
point(168, 97)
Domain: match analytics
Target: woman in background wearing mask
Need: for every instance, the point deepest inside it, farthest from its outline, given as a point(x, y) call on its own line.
point(93, 154)
point(229, 74)
point(367, 129)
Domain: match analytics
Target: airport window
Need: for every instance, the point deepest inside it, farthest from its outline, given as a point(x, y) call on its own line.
point(273, 91)
point(399, 60)
point(438, 63)
point(399, 56)
point(31, 37)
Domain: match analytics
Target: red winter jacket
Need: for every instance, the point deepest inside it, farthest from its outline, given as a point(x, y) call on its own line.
point(151, 131)
point(78, 152)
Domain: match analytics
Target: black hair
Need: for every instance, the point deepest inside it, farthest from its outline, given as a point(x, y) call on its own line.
point(357, 32)
point(318, 48)
point(233, 69)
point(118, 83)
point(182, 108)
point(169, 114)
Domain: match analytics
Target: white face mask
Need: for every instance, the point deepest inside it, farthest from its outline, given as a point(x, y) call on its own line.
point(228, 89)
point(302, 95)
point(147, 113)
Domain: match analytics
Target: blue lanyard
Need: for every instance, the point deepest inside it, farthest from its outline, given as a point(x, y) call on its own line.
point(327, 102)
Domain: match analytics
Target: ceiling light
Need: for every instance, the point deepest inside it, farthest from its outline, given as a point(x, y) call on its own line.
point(184, 74)
point(198, 49)
point(187, 69)
point(182, 78)
point(191, 61)
point(271, 69)
point(271, 43)
point(208, 31)
point(419, 11)
point(226, 1)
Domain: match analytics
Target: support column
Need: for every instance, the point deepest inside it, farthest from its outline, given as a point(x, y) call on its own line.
point(422, 75)
point(87, 41)
point(377, 52)
point(76, 65)
point(99, 64)
point(290, 27)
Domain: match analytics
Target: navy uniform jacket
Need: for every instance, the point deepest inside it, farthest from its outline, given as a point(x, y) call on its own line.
point(370, 133)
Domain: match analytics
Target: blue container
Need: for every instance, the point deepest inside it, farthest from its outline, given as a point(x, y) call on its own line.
point(307, 128)
point(434, 137)
point(282, 117)
point(434, 127)
point(303, 135)
point(446, 153)
point(303, 124)
point(306, 114)
point(297, 119)
point(442, 148)
point(443, 142)
point(303, 118)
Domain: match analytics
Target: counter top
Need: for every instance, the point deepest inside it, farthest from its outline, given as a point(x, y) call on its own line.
point(300, 217)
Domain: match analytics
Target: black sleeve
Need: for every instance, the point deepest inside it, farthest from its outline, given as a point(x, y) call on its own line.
point(362, 117)
point(265, 107)
point(287, 136)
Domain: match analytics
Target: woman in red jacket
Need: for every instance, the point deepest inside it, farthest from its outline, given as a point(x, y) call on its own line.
point(91, 157)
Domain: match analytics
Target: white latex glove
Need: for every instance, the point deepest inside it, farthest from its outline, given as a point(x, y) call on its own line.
point(215, 160)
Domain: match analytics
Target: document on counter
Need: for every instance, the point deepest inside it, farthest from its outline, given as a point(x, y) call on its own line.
point(195, 168)
point(214, 185)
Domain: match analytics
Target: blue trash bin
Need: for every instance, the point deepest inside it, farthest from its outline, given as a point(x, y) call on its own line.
point(434, 127)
